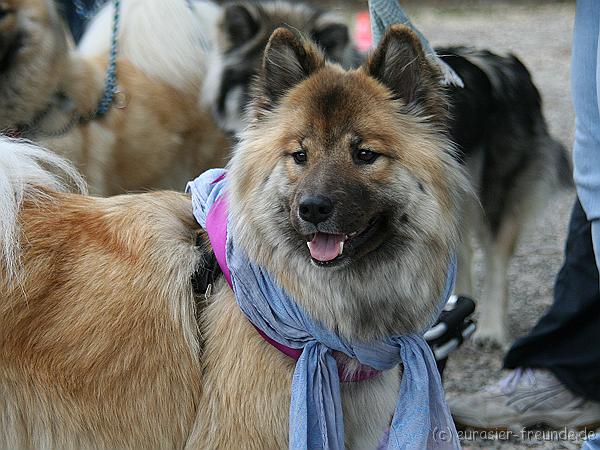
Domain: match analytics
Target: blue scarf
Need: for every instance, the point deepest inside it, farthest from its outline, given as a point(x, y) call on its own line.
point(421, 419)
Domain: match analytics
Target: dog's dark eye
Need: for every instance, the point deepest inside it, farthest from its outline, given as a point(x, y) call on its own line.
point(364, 156)
point(300, 157)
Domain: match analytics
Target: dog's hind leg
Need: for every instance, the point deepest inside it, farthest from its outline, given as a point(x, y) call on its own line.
point(493, 304)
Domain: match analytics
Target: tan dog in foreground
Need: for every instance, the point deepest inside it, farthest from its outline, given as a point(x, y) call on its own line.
point(105, 345)
point(155, 136)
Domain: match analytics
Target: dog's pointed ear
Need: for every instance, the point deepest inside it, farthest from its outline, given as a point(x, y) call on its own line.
point(333, 37)
point(400, 63)
point(288, 60)
point(239, 24)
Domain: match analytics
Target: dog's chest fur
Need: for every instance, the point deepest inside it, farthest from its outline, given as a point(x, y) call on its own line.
point(250, 387)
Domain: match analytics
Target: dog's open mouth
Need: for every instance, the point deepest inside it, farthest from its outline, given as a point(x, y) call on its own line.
point(328, 249)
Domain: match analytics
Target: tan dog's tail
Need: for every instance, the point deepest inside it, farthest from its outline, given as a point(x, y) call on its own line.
point(25, 170)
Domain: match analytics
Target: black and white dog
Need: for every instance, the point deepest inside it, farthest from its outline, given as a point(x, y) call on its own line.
point(513, 163)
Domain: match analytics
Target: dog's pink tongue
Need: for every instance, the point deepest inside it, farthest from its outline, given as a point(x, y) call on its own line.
point(326, 247)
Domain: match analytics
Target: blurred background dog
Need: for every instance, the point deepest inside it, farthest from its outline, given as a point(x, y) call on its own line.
point(155, 135)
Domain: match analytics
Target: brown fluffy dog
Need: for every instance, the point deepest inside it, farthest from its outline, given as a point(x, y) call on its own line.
point(99, 341)
point(155, 137)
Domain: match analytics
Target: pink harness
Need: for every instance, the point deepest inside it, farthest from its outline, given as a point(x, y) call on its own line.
point(216, 227)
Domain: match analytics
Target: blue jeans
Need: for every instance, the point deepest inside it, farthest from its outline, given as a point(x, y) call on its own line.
point(585, 76)
point(592, 444)
point(585, 79)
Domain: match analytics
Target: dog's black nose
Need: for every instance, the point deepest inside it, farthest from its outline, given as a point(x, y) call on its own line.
point(315, 208)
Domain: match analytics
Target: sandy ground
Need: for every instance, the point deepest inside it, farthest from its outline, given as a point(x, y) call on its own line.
point(540, 34)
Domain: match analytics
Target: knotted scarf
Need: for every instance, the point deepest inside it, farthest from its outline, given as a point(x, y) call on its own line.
point(421, 419)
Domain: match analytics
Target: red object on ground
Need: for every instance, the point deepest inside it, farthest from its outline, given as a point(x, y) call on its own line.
point(362, 31)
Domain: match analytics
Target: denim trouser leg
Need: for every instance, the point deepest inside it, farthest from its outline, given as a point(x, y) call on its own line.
point(592, 444)
point(585, 80)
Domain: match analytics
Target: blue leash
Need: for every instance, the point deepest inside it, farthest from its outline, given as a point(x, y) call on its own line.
point(110, 83)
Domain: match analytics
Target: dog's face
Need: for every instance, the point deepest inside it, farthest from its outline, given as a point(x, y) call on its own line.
point(33, 51)
point(345, 186)
point(243, 32)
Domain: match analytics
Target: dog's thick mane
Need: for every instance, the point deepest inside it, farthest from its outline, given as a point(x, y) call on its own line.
point(413, 278)
point(43, 50)
point(25, 170)
point(163, 38)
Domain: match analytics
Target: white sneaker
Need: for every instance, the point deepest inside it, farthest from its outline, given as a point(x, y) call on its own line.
point(524, 398)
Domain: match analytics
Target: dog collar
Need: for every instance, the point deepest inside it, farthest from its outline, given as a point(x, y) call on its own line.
point(32, 128)
point(216, 227)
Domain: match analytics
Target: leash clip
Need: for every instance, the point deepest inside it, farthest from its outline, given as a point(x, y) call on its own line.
point(120, 99)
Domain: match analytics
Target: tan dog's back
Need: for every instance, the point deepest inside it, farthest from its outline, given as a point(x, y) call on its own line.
point(99, 345)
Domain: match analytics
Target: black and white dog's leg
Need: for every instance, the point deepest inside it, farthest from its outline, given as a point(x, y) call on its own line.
point(493, 303)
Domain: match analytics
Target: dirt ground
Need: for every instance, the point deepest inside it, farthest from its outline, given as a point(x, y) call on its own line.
point(540, 34)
